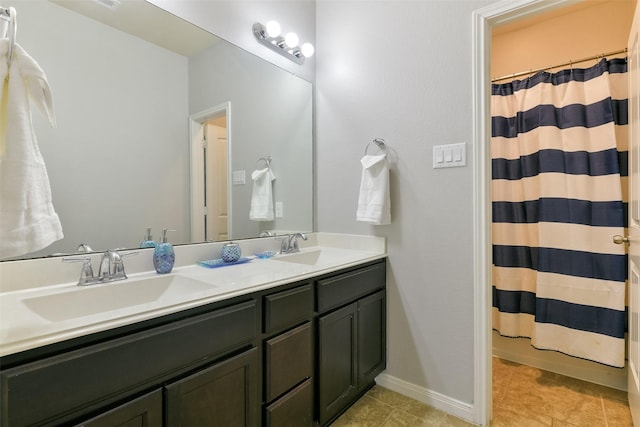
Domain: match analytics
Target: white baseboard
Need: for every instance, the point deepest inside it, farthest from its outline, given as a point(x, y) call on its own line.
point(439, 401)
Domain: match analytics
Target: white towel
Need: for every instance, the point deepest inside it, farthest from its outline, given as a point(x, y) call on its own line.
point(374, 202)
point(262, 195)
point(28, 221)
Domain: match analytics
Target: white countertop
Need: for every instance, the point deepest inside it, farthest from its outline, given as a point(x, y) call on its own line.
point(34, 315)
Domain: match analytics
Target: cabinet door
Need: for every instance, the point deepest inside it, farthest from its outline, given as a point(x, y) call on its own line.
point(224, 395)
point(145, 411)
point(372, 352)
point(337, 349)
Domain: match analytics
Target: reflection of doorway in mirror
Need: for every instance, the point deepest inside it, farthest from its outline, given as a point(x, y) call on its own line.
point(215, 179)
point(210, 196)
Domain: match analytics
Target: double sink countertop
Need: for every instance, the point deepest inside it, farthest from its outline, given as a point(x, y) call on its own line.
point(35, 312)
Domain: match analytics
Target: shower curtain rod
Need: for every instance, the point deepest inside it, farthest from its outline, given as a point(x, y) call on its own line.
point(530, 72)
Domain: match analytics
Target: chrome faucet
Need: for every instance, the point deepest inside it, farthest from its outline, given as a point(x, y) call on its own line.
point(289, 244)
point(111, 268)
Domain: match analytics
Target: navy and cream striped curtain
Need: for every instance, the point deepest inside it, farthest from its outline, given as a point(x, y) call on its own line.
point(559, 168)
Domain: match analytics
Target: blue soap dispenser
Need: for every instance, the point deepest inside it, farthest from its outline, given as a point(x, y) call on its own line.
point(163, 255)
point(148, 242)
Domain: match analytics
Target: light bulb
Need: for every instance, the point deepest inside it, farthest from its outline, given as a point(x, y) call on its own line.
point(273, 28)
point(307, 50)
point(291, 39)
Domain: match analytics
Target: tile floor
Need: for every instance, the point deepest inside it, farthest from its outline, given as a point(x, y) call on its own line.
point(522, 397)
point(381, 407)
point(531, 397)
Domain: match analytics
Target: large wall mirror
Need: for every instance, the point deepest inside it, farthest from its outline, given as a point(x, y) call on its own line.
point(135, 90)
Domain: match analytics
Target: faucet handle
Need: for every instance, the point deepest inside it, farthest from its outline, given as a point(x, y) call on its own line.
point(118, 268)
point(284, 243)
point(86, 273)
point(293, 245)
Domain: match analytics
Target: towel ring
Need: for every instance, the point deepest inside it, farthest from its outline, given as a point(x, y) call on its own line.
point(11, 31)
point(379, 142)
point(265, 159)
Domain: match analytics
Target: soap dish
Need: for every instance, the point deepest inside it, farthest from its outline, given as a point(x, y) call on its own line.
point(215, 263)
point(265, 254)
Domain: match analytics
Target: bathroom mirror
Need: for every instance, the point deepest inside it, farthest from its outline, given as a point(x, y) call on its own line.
point(126, 92)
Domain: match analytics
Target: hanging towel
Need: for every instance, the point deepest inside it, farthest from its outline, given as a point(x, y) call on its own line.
point(262, 195)
point(374, 202)
point(28, 221)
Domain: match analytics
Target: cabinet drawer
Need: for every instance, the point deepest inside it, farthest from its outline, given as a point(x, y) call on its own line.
point(288, 360)
point(286, 308)
point(57, 388)
point(294, 409)
point(345, 288)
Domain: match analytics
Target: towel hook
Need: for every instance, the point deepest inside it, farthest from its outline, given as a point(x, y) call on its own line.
point(266, 160)
point(379, 142)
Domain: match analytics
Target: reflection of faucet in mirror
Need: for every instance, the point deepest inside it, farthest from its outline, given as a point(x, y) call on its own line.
point(289, 243)
point(83, 247)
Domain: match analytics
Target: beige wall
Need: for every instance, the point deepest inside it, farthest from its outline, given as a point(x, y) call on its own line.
point(588, 28)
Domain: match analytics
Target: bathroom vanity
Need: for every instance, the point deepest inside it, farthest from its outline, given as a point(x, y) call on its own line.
point(280, 343)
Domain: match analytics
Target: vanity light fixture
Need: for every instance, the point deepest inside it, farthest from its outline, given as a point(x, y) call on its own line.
point(287, 46)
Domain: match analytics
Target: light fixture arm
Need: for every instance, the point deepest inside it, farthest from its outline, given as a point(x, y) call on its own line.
point(277, 44)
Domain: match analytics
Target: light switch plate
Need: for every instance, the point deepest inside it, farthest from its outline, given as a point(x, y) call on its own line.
point(238, 177)
point(450, 155)
point(279, 209)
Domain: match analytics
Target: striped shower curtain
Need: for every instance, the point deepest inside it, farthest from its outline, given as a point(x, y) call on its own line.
point(559, 168)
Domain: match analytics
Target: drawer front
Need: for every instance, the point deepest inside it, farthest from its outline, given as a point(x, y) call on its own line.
point(68, 385)
point(294, 409)
point(345, 288)
point(287, 308)
point(288, 360)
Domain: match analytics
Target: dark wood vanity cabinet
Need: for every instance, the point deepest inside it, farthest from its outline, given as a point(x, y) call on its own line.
point(351, 337)
point(81, 386)
point(293, 356)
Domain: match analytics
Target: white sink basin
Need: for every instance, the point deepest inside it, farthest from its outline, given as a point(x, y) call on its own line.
point(312, 257)
point(84, 301)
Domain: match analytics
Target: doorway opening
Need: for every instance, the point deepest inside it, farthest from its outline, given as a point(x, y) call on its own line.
point(485, 20)
point(210, 160)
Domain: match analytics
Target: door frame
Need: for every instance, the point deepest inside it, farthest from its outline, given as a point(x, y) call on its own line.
point(483, 20)
point(196, 122)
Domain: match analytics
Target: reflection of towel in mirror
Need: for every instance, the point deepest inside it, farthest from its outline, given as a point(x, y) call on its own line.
point(374, 204)
point(262, 195)
point(28, 221)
